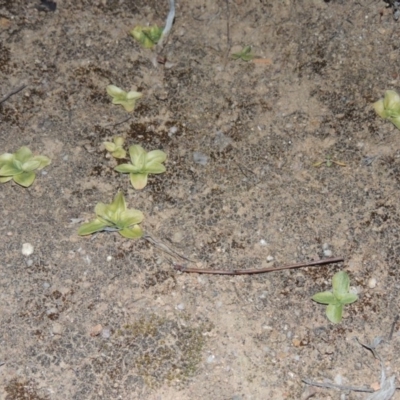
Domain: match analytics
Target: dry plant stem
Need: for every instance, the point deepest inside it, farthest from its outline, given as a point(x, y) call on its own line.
point(15, 91)
point(340, 387)
point(257, 271)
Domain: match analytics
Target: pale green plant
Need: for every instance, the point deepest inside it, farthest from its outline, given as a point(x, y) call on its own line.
point(329, 161)
point(115, 217)
point(143, 164)
point(147, 36)
point(125, 99)
point(20, 166)
point(389, 107)
point(115, 147)
point(337, 299)
point(244, 55)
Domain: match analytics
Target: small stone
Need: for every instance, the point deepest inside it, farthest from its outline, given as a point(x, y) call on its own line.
point(57, 328)
point(96, 330)
point(328, 253)
point(296, 342)
point(372, 283)
point(106, 333)
point(211, 358)
point(263, 242)
point(177, 237)
point(200, 158)
point(180, 307)
point(270, 258)
point(27, 249)
point(109, 258)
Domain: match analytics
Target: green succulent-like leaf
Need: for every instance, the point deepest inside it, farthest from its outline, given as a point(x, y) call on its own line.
point(23, 154)
point(325, 298)
point(153, 162)
point(129, 218)
point(134, 232)
point(139, 181)
point(43, 160)
point(334, 313)
point(147, 36)
point(340, 283)
point(20, 166)
point(30, 165)
point(119, 153)
point(115, 217)
point(138, 156)
point(115, 147)
point(143, 164)
point(126, 169)
point(244, 55)
point(347, 298)
point(25, 179)
point(389, 107)
point(14, 167)
point(5, 158)
point(126, 99)
point(91, 227)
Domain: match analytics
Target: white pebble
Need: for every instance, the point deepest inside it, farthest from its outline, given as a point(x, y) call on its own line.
point(328, 253)
point(57, 328)
point(106, 333)
point(27, 249)
point(263, 242)
point(109, 258)
point(270, 258)
point(211, 358)
point(180, 307)
point(372, 283)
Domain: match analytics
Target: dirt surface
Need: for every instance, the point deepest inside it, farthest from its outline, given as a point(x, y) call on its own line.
point(104, 317)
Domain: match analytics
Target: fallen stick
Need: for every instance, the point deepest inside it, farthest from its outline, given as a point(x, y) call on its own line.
point(15, 91)
point(182, 268)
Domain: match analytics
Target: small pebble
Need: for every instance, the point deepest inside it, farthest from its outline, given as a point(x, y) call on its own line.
point(263, 242)
point(27, 249)
point(57, 328)
point(211, 358)
point(46, 285)
point(180, 307)
point(109, 258)
point(200, 158)
point(328, 253)
point(106, 333)
point(270, 258)
point(372, 283)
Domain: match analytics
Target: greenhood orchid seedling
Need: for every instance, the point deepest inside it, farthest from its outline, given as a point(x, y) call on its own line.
point(143, 164)
point(20, 165)
point(115, 147)
point(115, 217)
point(338, 298)
point(147, 36)
point(244, 55)
point(125, 99)
point(389, 107)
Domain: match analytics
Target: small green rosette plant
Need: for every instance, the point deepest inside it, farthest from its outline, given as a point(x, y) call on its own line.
point(115, 217)
point(389, 107)
point(143, 164)
point(147, 36)
point(115, 147)
point(336, 300)
point(20, 166)
point(125, 99)
point(244, 55)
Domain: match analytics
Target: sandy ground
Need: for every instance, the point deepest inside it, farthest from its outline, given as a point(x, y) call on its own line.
point(255, 201)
